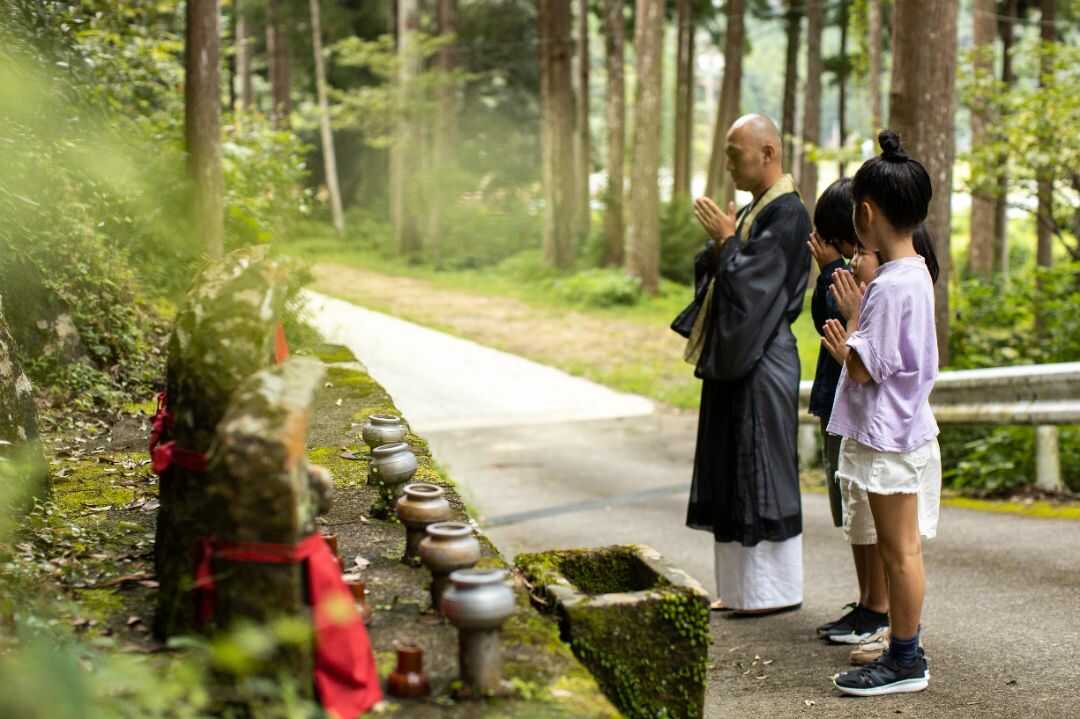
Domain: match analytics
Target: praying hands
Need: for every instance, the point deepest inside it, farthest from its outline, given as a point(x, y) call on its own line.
point(848, 296)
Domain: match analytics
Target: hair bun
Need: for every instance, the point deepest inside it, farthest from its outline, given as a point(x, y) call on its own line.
point(891, 150)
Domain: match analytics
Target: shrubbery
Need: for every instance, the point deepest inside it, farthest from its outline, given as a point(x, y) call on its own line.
point(995, 326)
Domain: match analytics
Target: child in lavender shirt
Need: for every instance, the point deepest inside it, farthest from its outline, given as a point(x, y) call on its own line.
point(890, 464)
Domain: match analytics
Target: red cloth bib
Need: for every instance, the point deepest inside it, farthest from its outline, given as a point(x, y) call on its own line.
point(346, 679)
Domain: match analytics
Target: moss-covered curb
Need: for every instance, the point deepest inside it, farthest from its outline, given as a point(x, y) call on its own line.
point(639, 624)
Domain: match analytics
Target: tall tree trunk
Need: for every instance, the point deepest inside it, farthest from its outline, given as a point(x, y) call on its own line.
point(643, 251)
point(684, 99)
point(981, 239)
point(329, 156)
point(808, 175)
point(1044, 255)
point(445, 130)
point(202, 123)
point(614, 29)
point(1010, 15)
point(793, 21)
point(556, 93)
point(277, 49)
point(923, 113)
point(718, 183)
point(406, 229)
point(246, 96)
point(583, 142)
point(873, 10)
point(841, 80)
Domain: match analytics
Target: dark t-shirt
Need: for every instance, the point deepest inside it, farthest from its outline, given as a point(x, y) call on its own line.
point(823, 307)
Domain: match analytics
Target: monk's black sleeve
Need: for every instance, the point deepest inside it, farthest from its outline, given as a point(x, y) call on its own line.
point(750, 298)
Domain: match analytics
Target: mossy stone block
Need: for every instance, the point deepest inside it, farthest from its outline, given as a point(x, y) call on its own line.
point(639, 624)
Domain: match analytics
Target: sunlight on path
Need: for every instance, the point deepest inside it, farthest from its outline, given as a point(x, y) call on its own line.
point(443, 382)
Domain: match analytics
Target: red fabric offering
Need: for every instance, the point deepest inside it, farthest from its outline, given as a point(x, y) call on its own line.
point(165, 454)
point(346, 679)
point(281, 347)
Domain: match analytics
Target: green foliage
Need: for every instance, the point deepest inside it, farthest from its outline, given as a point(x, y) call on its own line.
point(599, 288)
point(681, 239)
point(983, 460)
point(996, 319)
point(1031, 123)
point(94, 193)
point(996, 327)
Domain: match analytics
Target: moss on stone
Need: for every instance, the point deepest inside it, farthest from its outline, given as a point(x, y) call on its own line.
point(330, 353)
point(644, 639)
point(664, 674)
point(346, 472)
point(594, 572)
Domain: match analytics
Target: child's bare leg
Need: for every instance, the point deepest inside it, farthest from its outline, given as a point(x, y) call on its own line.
point(900, 547)
point(858, 553)
point(876, 592)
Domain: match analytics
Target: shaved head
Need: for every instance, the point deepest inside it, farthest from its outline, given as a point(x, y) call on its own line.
point(757, 130)
point(754, 153)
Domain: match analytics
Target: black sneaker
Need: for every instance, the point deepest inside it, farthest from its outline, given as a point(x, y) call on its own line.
point(885, 676)
point(866, 624)
point(846, 620)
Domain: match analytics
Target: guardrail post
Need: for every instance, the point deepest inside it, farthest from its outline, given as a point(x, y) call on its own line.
point(808, 445)
point(1047, 459)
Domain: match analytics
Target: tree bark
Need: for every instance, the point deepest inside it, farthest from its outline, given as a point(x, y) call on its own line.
point(808, 174)
point(556, 93)
point(684, 99)
point(923, 113)
point(202, 123)
point(583, 142)
point(329, 156)
point(614, 230)
point(1010, 14)
point(718, 183)
point(277, 50)
point(874, 20)
point(643, 251)
point(1044, 254)
point(981, 239)
point(841, 81)
point(406, 229)
point(246, 95)
point(445, 130)
point(793, 20)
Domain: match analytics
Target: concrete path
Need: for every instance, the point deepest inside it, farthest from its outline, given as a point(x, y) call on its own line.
point(548, 460)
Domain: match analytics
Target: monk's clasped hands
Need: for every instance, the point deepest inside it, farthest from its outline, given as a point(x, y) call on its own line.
point(718, 224)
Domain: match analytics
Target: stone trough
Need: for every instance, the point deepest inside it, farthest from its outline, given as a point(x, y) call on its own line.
point(637, 622)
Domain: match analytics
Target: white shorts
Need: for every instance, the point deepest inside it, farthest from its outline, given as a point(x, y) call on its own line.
point(863, 470)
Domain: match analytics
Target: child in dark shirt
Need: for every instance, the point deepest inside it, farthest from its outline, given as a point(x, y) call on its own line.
point(833, 240)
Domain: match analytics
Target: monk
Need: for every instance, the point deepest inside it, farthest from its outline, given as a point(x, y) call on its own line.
point(750, 281)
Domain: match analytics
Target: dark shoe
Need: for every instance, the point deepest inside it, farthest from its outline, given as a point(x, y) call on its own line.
point(846, 620)
point(885, 676)
point(865, 625)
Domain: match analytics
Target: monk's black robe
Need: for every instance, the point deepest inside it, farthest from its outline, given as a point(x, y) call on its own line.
point(746, 471)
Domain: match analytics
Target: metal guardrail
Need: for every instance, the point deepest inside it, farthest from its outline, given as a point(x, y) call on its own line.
point(1044, 395)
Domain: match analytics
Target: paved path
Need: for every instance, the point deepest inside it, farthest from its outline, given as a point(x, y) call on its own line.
point(548, 460)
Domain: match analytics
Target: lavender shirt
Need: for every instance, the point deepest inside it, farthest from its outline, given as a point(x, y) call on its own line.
point(897, 343)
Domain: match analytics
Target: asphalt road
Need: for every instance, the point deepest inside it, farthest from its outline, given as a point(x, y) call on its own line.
point(548, 460)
